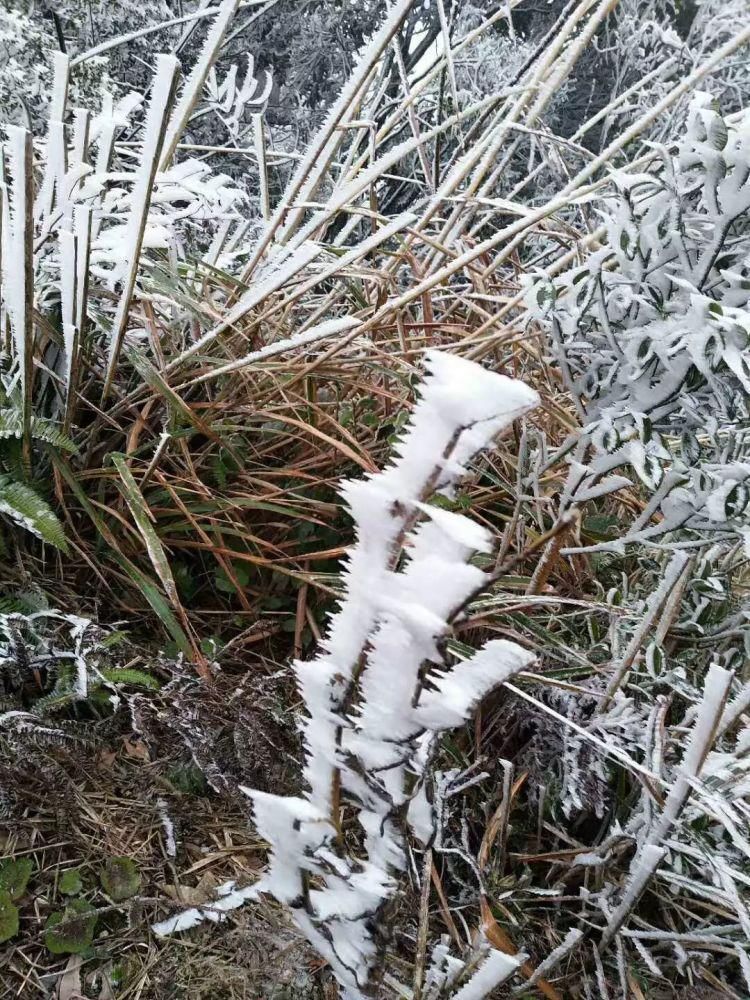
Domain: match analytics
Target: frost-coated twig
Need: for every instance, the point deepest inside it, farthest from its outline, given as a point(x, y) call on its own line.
point(193, 86)
point(496, 969)
point(715, 692)
point(372, 720)
point(648, 859)
point(672, 574)
point(18, 277)
point(555, 957)
point(650, 854)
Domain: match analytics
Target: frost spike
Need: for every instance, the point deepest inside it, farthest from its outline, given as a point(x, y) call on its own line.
point(193, 86)
point(162, 96)
point(19, 270)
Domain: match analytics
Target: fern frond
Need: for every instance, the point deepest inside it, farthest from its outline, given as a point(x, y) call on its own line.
point(62, 695)
point(26, 508)
point(55, 701)
point(10, 423)
point(52, 434)
point(130, 677)
point(11, 426)
point(14, 604)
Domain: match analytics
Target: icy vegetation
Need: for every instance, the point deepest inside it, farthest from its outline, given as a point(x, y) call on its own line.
point(381, 692)
point(382, 369)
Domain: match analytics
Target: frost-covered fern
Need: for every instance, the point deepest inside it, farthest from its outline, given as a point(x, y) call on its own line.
point(51, 660)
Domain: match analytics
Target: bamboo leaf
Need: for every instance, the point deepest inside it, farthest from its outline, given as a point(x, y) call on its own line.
point(156, 123)
point(191, 91)
point(144, 522)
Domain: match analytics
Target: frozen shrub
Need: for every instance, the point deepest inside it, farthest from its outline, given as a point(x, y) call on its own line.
point(652, 331)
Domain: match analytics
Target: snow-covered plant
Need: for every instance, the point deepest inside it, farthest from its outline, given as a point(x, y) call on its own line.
point(714, 23)
point(652, 334)
point(650, 45)
point(87, 211)
point(28, 40)
point(50, 660)
point(645, 53)
point(56, 670)
point(383, 688)
point(233, 96)
point(24, 72)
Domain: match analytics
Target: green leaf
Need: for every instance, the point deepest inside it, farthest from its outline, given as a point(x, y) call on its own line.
point(143, 519)
point(188, 779)
point(10, 423)
point(655, 659)
point(70, 931)
point(225, 584)
point(155, 598)
point(15, 875)
point(546, 295)
point(52, 434)
point(8, 917)
point(600, 527)
point(131, 677)
point(113, 639)
point(19, 502)
point(70, 883)
point(150, 591)
point(717, 132)
point(120, 879)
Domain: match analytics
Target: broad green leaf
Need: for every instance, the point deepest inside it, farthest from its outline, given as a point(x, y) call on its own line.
point(120, 878)
point(70, 931)
point(70, 883)
point(8, 917)
point(14, 876)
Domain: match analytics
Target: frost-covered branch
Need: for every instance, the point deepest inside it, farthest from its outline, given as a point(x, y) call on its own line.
point(383, 687)
point(381, 690)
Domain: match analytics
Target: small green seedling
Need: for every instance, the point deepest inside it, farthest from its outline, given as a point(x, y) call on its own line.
point(120, 879)
point(188, 779)
point(70, 931)
point(70, 883)
point(14, 876)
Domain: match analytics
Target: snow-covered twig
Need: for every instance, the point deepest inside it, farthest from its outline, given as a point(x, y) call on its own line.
point(382, 688)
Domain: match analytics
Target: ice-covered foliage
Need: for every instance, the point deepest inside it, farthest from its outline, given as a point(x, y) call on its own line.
point(70, 656)
point(31, 34)
point(148, 309)
point(92, 208)
point(382, 689)
point(646, 53)
point(652, 331)
point(651, 44)
point(57, 670)
point(24, 71)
